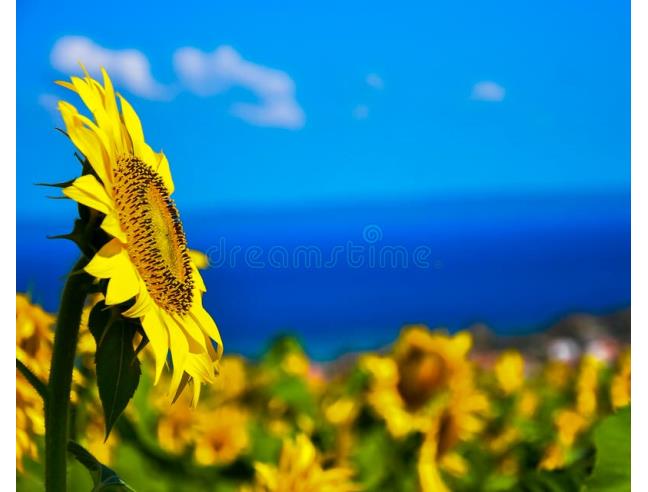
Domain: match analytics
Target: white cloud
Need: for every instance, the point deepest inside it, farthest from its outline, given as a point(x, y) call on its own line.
point(360, 112)
point(49, 103)
point(212, 73)
point(129, 68)
point(374, 80)
point(488, 91)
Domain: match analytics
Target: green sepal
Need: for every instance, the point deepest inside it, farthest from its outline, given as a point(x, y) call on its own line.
point(117, 366)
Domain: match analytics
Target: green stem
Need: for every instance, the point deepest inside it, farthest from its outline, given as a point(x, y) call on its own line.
point(60, 380)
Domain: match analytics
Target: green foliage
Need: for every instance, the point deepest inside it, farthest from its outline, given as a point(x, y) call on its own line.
point(118, 368)
point(612, 469)
point(103, 478)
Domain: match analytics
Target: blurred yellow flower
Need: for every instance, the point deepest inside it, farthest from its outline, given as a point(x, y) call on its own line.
point(454, 464)
point(176, 425)
point(232, 382)
point(554, 457)
point(300, 470)
point(527, 403)
point(425, 366)
point(462, 418)
point(30, 420)
point(295, 363)
point(620, 385)
point(221, 435)
point(342, 411)
point(587, 386)
point(558, 374)
point(430, 362)
point(94, 437)
point(427, 466)
point(34, 336)
point(509, 371)
point(504, 440)
point(147, 258)
point(569, 425)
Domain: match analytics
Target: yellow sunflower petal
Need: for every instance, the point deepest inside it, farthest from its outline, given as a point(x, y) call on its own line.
point(123, 285)
point(179, 350)
point(207, 324)
point(108, 259)
point(158, 336)
point(66, 84)
point(164, 171)
point(84, 140)
point(142, 303)
point(113, 227)
point(189, 325)
point(199, 259)
point(88, 191)
point(87, 94)
point(133, 125)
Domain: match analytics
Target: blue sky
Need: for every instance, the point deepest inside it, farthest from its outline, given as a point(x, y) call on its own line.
point(262, 105)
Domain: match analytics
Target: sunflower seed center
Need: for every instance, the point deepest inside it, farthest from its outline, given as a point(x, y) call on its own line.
point(156, 241)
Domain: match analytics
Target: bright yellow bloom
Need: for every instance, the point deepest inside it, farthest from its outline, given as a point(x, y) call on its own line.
point(587, 386)
point(620, 385)
point(300, 470)
point(426, 369)
point(94, 436)
point(558, 374)
point(296, 363)
point(527, 403)
point(509, 371)
point(221, 435)
point(30, 420)
point(462, 418)
point(430, 362)
point(454, 464)
point(176, 425)
point(34, 338)
point(232, 382)
point(555, 457)
point(504, 440)
point(569, 424)
point(147, 258)
point(427, 466)
point(342, 411)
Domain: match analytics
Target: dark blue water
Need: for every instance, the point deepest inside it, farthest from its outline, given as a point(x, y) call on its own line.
point(349, 277)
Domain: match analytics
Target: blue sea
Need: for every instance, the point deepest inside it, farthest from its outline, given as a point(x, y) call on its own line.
point(349, 277)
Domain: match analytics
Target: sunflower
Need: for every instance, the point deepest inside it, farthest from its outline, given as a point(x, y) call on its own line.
point(300, 469)
point(620, 385)
point(30, 421)
point(221, 435)
point(509, 371)
point(425, 367)
point(34, 338)
point(146, 259)
point(587, 386)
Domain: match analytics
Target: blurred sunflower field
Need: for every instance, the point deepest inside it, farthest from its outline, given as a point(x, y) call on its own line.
point(425, 413)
